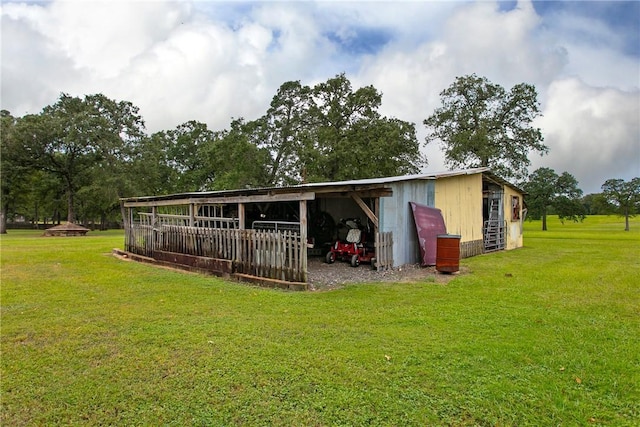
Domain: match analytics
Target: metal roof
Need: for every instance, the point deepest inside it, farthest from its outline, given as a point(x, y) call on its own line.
point(390, 179)
point(326, 186)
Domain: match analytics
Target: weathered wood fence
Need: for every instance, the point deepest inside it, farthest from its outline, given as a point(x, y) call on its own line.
point(384, 251)
point(276, 255)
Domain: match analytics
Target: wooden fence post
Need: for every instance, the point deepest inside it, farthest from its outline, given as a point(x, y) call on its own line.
point(303, 240)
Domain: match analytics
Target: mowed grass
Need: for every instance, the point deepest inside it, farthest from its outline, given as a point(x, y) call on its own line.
point(543, 335)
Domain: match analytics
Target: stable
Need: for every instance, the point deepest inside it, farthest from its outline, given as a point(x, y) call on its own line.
point(267, 234)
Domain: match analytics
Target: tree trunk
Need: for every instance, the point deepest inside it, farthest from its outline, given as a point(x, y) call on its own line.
point(70, 188)
point(3, 219)
point(626, 218)
point(544, 219)
point(70, 213)
point(125, 217)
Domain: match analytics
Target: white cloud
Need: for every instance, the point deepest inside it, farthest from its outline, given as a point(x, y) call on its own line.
point(104, 37)
point(210, 61)
point(593, 133)
point(499, 45)
point(27, 56)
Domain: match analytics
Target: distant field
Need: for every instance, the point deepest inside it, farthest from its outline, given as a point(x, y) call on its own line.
point(543, 335)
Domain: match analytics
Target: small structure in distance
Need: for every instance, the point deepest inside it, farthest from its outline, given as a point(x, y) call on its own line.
point(66, 230)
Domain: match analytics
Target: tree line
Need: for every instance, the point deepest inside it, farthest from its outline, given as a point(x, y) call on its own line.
point(76, 158)
point(551, 194)
point(480, 124)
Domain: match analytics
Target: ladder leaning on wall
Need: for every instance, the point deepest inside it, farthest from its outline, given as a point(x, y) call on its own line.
point(494, 228)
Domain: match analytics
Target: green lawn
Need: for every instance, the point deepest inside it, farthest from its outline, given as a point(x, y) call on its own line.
point(544, 335)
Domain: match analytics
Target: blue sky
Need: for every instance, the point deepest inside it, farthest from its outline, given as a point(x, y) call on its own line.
point(621, 16)
point(211, 61)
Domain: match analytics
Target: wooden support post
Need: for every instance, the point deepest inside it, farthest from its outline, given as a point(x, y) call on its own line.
point(131, 231)
point(241, 255)
point(192, 215)
point(154, 216)
point(303, 239)
point(241, 219)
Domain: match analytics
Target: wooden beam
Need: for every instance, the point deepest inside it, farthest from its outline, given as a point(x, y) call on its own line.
point(260, 198)
point(330, 188)
point(372, 216)
point(383, 192)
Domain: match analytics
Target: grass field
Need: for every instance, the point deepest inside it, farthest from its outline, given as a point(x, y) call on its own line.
point(544, 335)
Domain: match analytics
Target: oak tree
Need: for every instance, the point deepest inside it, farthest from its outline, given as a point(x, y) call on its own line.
point(351, 140)
point(281, 132)
point(234, 161)
point(480, 124)
point(625, 195)
point(546, 189)
point(71, 137)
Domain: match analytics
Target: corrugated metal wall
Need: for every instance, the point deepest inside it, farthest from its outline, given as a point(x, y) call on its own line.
point(396, 216)
point(460, 200)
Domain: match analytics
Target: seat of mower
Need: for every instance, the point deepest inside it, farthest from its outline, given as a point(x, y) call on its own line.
point(354, 235)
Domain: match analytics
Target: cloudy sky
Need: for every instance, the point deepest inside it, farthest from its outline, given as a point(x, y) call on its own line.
point(211, 61)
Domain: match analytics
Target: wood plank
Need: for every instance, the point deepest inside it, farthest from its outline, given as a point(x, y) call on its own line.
point(259, 198)
point(269, 254)
point(346, 194)
point(367, 211)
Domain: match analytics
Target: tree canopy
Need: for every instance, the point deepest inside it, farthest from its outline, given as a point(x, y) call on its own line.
point(547, 189)
point(10, 174)
point(282, 131)
point(332, 132)
point(625, 196)
point(480, 124)
point(91, 151)
point(597, 204)
point(74, 136)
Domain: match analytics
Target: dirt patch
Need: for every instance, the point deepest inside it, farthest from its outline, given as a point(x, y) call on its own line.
point(323, 276)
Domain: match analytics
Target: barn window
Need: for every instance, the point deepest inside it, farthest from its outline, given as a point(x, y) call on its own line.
point(515, 208)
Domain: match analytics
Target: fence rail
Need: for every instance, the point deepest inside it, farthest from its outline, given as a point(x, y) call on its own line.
point(384, 251)
point(184, 220)
point(271, 254)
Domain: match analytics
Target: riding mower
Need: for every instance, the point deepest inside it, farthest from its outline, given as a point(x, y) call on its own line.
point(352, 248)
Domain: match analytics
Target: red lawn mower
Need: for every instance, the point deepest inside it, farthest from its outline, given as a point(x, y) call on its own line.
point(352, 248)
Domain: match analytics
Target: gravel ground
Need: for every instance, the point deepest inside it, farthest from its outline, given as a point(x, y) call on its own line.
point(323, 276)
